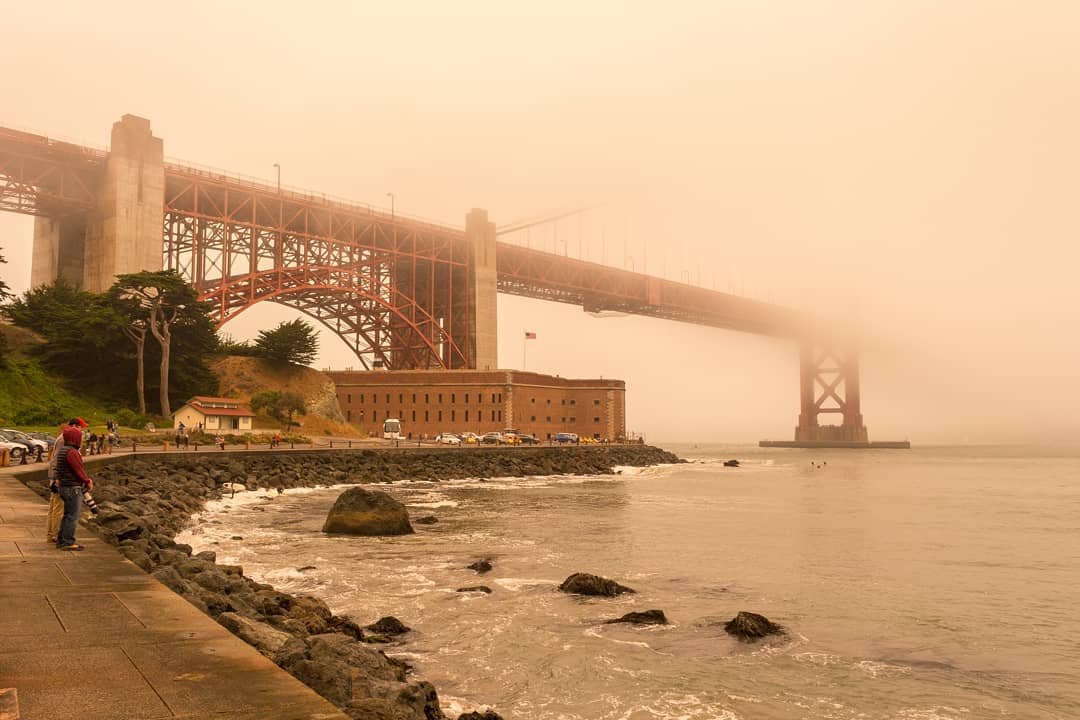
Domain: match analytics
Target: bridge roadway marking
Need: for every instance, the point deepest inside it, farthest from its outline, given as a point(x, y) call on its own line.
point(91, 636)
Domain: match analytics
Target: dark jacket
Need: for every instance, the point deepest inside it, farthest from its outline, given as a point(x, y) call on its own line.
point(69, 467)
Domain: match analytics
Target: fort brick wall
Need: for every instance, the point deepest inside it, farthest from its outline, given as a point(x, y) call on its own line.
point(432, 401)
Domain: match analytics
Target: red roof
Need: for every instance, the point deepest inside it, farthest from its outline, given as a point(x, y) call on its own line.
point(241, 411)
point(208, 399)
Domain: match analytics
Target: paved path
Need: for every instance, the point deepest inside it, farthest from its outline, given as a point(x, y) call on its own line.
point(90, 636)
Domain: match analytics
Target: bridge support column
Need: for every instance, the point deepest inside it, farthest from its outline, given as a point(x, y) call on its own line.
point(484, 338)
point(125, 234)
point(829, 383)
point(59, 246)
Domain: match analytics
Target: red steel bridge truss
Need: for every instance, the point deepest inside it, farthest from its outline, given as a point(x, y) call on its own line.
point(397, 291)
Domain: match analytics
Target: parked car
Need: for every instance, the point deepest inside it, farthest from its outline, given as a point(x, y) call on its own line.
point(44, 437)
point(470, 438)
point(447, 439)
point(528, 440)
point(492, 438)
point(566, 437)
point(37, 448)
point(15, 450)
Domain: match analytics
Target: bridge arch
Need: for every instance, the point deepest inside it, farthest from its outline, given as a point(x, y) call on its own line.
point(371, 326)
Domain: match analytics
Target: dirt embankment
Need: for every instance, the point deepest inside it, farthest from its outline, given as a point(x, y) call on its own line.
point(242, 377)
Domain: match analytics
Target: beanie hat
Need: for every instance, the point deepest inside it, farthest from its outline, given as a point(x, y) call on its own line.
point(73, 436)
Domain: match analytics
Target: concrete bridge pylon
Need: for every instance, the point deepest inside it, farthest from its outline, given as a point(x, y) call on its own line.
point(122, 234)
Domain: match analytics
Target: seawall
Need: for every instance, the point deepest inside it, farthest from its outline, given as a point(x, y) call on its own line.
point(145, 500)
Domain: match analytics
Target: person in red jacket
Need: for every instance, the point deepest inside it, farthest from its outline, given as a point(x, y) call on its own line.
point(72, 481)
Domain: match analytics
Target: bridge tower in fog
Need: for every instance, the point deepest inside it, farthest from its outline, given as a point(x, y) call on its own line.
point(402, 292)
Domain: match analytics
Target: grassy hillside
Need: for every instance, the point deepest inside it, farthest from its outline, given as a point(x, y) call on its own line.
point(32, 398)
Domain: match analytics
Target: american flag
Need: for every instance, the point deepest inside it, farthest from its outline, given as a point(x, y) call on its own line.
point(530, 335)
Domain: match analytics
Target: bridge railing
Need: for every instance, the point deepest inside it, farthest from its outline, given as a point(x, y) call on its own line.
point(299, 194)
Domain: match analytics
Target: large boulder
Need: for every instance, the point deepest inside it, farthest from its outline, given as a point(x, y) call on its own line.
point(750, 627)
point(264, 638)
point(364, 512)
point(586, 584)
point(649, 617)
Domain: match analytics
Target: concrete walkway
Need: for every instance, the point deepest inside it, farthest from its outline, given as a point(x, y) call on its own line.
point(90, 636)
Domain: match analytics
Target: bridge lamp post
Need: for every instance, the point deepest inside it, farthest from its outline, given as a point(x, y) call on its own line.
point(278, 167)
point(391, 196)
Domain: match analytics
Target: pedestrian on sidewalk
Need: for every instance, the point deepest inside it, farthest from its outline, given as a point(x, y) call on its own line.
point(73, 481)
point(220, 442)
point(56, 505)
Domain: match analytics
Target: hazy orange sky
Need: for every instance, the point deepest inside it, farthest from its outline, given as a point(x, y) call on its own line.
point(917, 159)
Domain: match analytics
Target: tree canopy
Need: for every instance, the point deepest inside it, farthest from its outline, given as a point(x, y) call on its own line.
point(279, 405)
point(294, 342)
point(85, 342)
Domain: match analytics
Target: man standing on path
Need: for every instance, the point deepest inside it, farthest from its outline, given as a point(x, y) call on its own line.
point(56, 505)
point(73, 480)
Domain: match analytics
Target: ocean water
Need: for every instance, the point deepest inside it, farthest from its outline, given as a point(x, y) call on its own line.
point(936, 583)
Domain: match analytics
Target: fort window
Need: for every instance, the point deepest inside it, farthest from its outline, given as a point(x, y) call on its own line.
point(596, 419)
point(426, 418)
point(492, 414)
point(573, 419)
point(426, 399)
point(387, 398)
point(493, 400)
point(453, 398)
point(414, 415)
point(500, 397)
point(453, 416)
point(348, 415)
point(374, 415)
point(466, 416)
point(573, 402)
point(533, 401)
point(595, 402)
point(466, 398)
point(564, 401)
point(414, 398)
point(532, 419)
point(350, 398)
point(440, 416)
point(500, 416)
point(361, 398)
point(440, 398)
point(549, 401)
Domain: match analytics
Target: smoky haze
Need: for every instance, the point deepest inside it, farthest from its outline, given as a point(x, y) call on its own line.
point(913, 162)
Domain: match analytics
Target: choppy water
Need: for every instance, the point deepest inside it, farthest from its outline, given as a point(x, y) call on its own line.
point(935, 583)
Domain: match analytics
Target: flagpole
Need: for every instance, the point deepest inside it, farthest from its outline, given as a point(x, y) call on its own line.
point(524, 345)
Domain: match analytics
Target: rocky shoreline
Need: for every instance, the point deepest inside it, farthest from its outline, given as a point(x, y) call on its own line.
point(145, 502)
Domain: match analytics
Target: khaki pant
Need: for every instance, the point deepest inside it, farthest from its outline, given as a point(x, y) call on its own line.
point(56, 513)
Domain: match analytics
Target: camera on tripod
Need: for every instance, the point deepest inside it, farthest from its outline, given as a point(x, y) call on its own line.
point(90, 502)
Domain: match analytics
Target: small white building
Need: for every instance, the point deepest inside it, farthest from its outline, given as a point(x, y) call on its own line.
point(214, 414)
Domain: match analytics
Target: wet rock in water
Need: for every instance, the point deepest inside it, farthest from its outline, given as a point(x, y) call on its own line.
point(364, 512)
point(237, 537)
point(476, 588)
point(481, 566)
point(207, 555)
point(749, 627)
point(586, 584)
point(649, 617)
point(426, 520)
point(731, 463)
point(477, 715)
point(305, 568)
point(388, 625)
